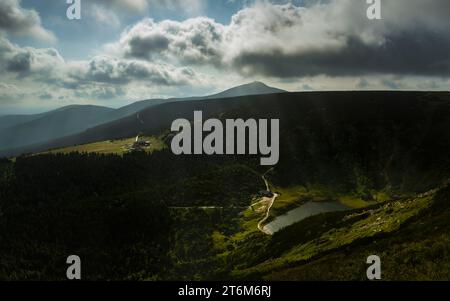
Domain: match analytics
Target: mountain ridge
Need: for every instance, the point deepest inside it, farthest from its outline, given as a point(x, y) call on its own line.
point(296, 111)
point(24, 130)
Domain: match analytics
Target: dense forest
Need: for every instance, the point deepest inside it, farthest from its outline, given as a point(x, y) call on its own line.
point(110, 209)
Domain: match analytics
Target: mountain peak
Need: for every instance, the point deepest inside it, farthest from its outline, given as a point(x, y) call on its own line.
point(257, 84)
point(253, 88)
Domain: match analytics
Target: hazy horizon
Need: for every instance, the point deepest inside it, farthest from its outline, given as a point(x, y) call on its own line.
point(41, 110)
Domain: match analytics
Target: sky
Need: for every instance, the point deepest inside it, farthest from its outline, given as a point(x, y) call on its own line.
point(123, 51)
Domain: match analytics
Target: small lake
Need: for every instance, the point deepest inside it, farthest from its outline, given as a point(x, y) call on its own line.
point(302, 212)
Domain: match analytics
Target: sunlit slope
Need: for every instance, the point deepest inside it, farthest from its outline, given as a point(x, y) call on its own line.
point(22, 134)
point(118, 147)
point(411, 235)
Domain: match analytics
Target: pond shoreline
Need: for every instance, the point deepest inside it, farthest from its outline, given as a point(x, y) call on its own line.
point(307, 209)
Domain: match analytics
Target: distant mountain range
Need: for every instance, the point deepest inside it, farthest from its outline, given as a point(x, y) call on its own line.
point(48, 126)
point(19, 132)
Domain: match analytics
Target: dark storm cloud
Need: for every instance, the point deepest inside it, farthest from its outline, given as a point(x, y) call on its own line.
point(337, 39)
point(408, 54)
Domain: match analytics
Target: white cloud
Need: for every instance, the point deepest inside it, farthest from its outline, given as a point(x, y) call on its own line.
point(333, 38)
point(29, 61)
point(196, 41)
point(9, 93)
point(106, 69)
point(15, 20)
point(101, 79)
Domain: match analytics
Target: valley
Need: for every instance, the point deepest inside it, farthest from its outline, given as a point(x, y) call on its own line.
point(225, 148)
point(360, 173)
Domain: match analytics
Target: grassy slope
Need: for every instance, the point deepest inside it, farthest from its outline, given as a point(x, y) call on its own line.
point(411, 235)
point(418, 248)
point(110, 147)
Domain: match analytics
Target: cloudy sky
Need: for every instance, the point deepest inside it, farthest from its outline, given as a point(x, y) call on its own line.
point(127, 50)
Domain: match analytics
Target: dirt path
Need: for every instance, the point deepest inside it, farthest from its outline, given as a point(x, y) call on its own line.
point(271, 202)
point(261, 223)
